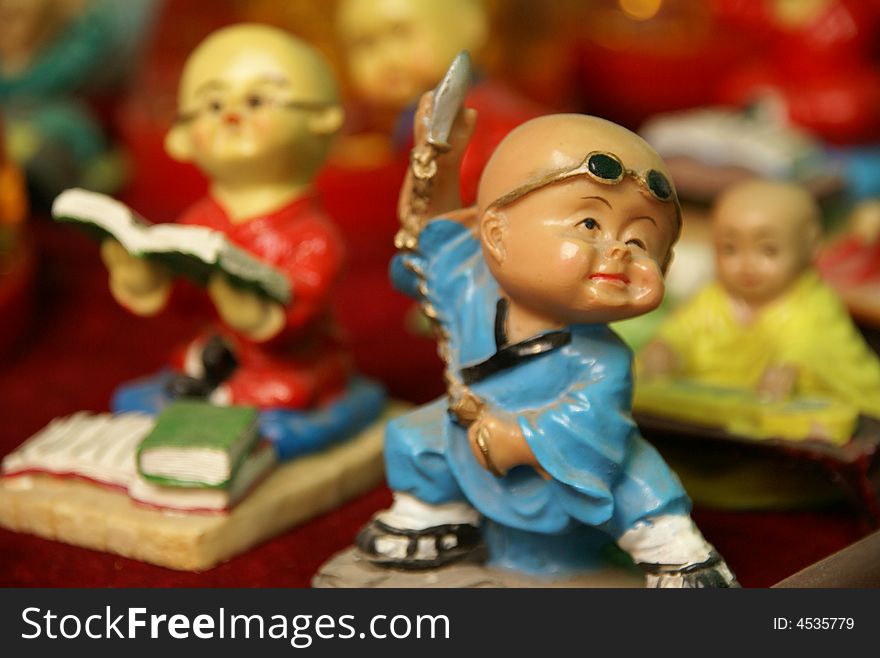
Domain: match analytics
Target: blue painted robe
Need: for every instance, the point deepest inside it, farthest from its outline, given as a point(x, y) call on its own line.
point(572, 405)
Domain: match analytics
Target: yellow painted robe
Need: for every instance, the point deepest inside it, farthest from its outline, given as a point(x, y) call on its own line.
point(808, 327)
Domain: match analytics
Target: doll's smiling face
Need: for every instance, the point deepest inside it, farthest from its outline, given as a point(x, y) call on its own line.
point(766, 234)
point(581, 251)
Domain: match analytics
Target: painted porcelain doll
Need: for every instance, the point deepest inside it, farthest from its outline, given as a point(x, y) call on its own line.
point(257, 113)
point(50, 50)
point(769, 324)
point(270, 382)
point(396, 50)
point(533, 454)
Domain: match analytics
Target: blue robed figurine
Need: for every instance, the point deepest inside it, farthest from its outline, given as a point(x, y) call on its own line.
point(533, 456)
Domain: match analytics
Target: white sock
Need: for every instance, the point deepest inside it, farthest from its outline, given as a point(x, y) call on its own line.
point(221, 396)
point(409, 513)
point(667, 539)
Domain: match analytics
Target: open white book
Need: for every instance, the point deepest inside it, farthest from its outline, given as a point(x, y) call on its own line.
point(193, 251)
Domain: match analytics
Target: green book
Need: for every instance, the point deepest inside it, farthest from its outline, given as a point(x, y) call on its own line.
point(197, 444)
point(192, 251)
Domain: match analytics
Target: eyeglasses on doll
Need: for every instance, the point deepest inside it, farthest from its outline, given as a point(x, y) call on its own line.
point(604, 168)
point(251, 102)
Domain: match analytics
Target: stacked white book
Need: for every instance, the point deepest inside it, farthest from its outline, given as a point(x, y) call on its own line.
point(103, 448)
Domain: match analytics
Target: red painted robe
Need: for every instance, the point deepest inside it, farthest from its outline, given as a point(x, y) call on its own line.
point(308, 362)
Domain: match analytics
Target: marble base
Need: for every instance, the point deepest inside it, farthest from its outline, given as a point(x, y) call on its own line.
point(350, 569)
point(84, 514)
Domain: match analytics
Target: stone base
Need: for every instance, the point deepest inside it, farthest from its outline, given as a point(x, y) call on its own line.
point(84, 514)
point(349, 569)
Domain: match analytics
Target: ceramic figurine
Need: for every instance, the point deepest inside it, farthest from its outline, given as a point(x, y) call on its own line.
point(818, 70)
point(769, 326)
point(259, 122)
point(398, 49)
point(272, 381)
point(49, 51)
point(818, 64)
point(17, 253)
point(13, 198)
point(708, 149)
point(533, 455)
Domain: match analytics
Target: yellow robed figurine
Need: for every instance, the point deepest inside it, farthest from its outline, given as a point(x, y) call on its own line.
point(768, 349)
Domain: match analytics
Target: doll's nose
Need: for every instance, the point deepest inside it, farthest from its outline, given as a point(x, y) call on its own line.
point(618, 250)
point(232, 118)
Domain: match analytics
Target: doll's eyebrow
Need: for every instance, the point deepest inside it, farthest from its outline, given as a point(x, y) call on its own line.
point(598, 198)
point(765, 234)
point(278, 80)
point(209, 86)
point(648, 217)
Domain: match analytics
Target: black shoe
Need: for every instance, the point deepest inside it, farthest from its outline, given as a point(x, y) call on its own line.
point(425, 549)
point(712, 572)
point(218, 360)
point(184, 386)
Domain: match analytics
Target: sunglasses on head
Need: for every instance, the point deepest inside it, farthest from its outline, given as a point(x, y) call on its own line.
point(605, 168)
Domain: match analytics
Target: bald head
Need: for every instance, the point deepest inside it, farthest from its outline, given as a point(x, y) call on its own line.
point(559, 143)
point(398, 49)
point(770, 202)
point(255, 103)
point(242, 51)
point(766, 235)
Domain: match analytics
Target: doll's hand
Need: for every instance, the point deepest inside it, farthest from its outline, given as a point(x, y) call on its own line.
point(139, 285)
point(498, 445)
point(778, 382)
point(444, 196)
point(248, 312)
point(658, 359)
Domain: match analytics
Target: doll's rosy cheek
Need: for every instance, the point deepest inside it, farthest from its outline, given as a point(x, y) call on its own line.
point(644, 274)
point(266, 122)
point(570, 254)
point(202, 136)
point(571, 261)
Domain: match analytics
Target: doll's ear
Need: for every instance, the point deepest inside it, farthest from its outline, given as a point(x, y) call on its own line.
point(492, 228)
point(178, 143)
point(327, 120)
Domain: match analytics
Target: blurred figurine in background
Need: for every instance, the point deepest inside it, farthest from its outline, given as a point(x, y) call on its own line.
point(271, 382)
point(769, 325)
point(258, 110)
point(13, 198)
point(398, 49)
point(817, 68)
point(49, 51)
point(533, 451)
point(17, 259)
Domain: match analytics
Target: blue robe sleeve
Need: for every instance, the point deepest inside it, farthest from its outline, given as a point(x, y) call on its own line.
point(450, 262)
point(439, 241)
point(583, 439)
